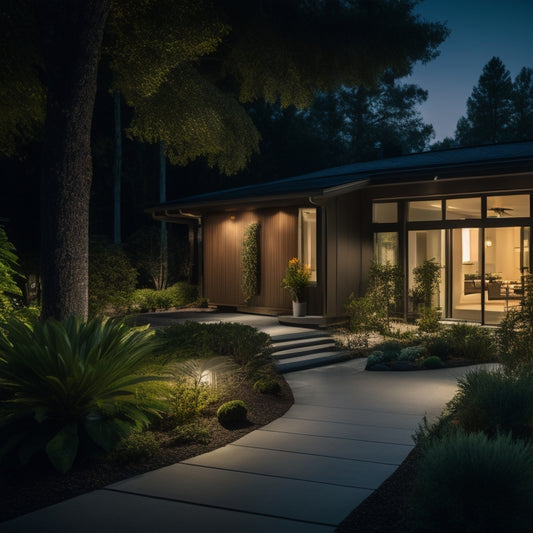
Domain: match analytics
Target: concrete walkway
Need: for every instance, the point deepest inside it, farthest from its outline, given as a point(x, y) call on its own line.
point(305, 472)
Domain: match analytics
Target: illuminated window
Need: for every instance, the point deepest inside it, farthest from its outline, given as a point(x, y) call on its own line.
point(463, 208)
point(385, 212)
point(510, 206)
point(307, 238)
point(425, 210)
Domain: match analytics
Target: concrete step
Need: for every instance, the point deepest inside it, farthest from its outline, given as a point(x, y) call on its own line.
point(311, 361)
point(299, 351)
point(302, 334)
point(308, 341)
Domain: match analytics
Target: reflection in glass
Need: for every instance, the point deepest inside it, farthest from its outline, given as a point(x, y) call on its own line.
point(384, 212)
point(425, 210)
point(428, 245)
point(386, 247)
point(510, 206)
point(463, 208)
point(307, 238)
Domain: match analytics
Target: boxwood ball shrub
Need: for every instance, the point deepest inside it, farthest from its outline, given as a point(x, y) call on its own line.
point(432, 362)
point(468, 482)
point(232, 413)
point(267, 386)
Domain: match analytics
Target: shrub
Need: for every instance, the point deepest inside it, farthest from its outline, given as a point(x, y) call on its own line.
point(189, 433)
point(494, 402)
point(475, 484)
point(363, 316)
point(515, 335)
point(8, 273)
point(472, 342)
point(441, 346)
point(433, 362)
point(232, 413)
point(143, 300)
point(178, 295)
point(186, 401)
point(267, 386)
point(71, 381)
point(429, 320)
point(412, 353)
point(112, 279)
point(251, 261)
point(375, 358)
point(137, 446)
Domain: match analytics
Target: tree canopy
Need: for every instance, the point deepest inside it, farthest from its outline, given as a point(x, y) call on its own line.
point(498, 109)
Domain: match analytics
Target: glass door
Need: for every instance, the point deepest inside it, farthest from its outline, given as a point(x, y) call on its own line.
point(467, 288)
point(506, 260)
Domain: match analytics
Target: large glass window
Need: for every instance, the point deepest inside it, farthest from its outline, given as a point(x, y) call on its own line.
point(307, 238)
point(425, 210)
point(386, 247)
point(384, 212)
point(463, 208)
point(510, 206)
point(427, 245)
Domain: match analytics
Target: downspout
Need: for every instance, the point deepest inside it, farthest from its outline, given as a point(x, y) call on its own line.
point(323, 250)
point(199, 240)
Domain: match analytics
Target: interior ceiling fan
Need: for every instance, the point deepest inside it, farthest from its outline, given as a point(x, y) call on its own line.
point(501, 211)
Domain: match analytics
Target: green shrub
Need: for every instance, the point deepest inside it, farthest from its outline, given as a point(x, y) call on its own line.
point(472, 342)
point(267, 386)
point(232, 413)
point(178, 295)
point(9, 289)
point(515, 335)
point(494, 402)
point(432, 362)
point(248, 347)
point(429, 320)
point(375, 358)
point(136, 447)
point(112, 279)
point(475, 484)
point(440, 345)
point(412, 353)
point(71, 381)
point(182, 294)
point(251, 261)
point(143, 300)
point(363, 315)
point(187, 401)
point(189, 433)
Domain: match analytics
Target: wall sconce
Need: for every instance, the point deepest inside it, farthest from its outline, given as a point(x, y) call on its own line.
point(232, 217)
point(488, 243)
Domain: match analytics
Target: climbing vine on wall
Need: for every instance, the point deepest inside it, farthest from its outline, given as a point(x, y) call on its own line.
point(251, 269)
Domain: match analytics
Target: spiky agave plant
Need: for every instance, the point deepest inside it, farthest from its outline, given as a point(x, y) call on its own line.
point(62, 382)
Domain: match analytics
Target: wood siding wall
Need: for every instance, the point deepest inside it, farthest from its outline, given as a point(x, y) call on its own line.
point(222, 248)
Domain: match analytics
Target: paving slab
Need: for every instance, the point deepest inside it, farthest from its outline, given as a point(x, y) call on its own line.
point(251, 493)
point(367, 417)
point(297, 465)
point(342, 430)
point(322, 445)
point(104, 511)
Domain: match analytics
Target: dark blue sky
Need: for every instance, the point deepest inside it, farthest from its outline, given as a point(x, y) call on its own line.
point(480, 29)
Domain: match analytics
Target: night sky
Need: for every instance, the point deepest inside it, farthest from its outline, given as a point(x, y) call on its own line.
point(480, 29)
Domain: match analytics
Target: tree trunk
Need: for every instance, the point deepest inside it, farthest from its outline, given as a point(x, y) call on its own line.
point(117, 170)
point(71, 36)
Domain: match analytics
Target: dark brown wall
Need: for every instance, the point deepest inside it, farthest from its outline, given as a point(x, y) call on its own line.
point(222, 245)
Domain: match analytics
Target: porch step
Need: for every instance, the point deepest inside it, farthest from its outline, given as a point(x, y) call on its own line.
point(302, 342)
point(311, 361)
point(305, 349)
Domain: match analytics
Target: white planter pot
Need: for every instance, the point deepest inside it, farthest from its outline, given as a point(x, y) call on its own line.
point(299, 308)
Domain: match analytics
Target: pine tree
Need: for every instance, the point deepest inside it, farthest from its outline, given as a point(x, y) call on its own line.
point(522, 98)
point(489, 108)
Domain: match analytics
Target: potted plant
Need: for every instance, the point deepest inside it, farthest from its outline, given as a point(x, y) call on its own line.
point(296, 280)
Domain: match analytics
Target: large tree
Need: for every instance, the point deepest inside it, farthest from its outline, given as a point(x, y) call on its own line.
point(522, 97)
point(185, 85)
point(489, 108)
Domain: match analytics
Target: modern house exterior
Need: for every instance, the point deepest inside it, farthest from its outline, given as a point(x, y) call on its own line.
point(469, 209)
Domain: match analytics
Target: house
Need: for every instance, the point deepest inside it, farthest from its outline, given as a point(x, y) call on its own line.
point(469, 209)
